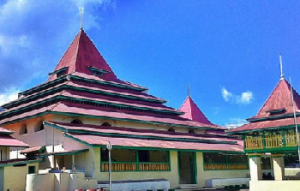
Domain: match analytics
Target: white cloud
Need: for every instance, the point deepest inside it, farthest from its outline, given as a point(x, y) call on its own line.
point(8, 95)
point(245, 97)
point(33, 36)
point(226, 94)
point(235, 122)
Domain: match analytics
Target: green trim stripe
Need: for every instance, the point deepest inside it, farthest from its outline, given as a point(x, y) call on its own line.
point(21, 162)
point(60, 70)
point(58, 98)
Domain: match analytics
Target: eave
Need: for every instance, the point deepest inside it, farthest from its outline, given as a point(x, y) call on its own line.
point(150, 148)
point(80, 89)
point(289, 115)
point(58, 98)
point(137, 136)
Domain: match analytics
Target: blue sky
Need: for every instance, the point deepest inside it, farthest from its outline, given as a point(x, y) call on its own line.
point(226, 51)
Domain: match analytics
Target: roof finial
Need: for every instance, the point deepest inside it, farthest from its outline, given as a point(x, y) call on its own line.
point(81, 9)
point(280, 62)
point(188, 91)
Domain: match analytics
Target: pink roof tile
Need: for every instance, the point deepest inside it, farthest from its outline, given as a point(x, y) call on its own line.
point(28, 114)
point(5, 131)
point(104, 89)
point(65, 107)
point(94, 111)
point(92, 97)
point(193, 112)
point(136, 94)
point(140, 132)
point(8, 141)
point(32, 149)
point(82, 54)
point(131, 142)
point(266, 124)
point(116, 81)
point(280, 98)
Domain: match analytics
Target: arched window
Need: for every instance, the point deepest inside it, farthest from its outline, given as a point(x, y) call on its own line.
point(39, 126)
point(23, 129)
point(106, 124)
point(191, 131)
point(76, 121)
point(171, 130)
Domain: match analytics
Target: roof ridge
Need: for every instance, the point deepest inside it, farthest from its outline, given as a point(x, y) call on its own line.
point(77, 49)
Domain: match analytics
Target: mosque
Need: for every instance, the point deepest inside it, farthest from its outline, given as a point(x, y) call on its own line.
point(84, 126)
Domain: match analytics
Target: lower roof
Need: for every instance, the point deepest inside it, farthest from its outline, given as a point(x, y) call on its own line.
point(8, 141)
point(33, 149)
point(65, 152)
point(141, 133)
point(266, 125)
point(15, 162)
point(132, 143)
point(4, 131)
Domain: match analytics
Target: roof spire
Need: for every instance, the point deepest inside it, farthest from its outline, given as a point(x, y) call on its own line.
point(188, 91)
point(81, 10)
point(280, 62)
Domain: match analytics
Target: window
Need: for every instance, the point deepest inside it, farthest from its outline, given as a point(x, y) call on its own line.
point(39, 126)
point(191, 131)
point(76, 121)
point(106, 124)
point(217, 161)
point(23, 129)
point(135, 160)
point(60, 73)
point(171, 130)
point(214, 158)
point(31, 169)
point(266, 163)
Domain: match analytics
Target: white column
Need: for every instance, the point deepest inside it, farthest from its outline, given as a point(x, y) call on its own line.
point(278, 166)
point(255, 167)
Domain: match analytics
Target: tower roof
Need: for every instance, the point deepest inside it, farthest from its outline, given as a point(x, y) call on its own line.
point(192, 111)
point(279, 102)
point(82, 56)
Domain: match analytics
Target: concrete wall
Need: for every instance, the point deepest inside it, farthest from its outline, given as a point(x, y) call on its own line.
point(289, 185)
point(292, 172)
point(15, 177)
point(58, 182)
point(203, 175)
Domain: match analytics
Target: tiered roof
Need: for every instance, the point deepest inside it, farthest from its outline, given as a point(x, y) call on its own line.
point(7, 140)
point(277, 111)
point(83, 84)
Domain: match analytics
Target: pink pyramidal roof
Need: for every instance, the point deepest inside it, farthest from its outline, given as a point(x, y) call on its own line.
point(192, 111)
point(82, 55)
point(280, 100)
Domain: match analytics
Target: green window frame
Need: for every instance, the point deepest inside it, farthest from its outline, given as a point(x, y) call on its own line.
point(223, 162)
point(139, 165)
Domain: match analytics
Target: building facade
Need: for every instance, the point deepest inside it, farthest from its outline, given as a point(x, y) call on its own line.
point(69, 120)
